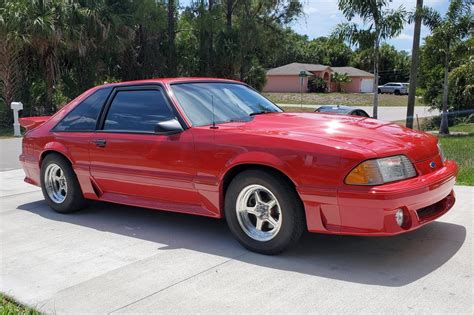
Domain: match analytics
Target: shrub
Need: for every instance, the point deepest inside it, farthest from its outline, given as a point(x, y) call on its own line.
point(317, 85)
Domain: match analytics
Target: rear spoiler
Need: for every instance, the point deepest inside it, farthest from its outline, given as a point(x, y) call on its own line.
point(30, 123)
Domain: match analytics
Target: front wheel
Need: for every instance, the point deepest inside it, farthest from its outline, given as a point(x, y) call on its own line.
point(264, 212)
point(60, 185)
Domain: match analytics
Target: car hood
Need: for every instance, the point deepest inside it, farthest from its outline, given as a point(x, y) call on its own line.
point(382, 138)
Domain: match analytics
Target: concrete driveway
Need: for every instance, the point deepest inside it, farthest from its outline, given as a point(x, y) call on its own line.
point(117, 259)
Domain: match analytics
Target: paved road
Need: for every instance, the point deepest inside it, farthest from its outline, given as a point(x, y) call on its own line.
point(10, 149)
point(117, 259)
point(388, 113)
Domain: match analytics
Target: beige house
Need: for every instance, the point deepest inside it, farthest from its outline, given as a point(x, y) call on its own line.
point(286, 78)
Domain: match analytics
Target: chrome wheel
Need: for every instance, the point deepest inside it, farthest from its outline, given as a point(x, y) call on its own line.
point(259, 213)
point(55, 183)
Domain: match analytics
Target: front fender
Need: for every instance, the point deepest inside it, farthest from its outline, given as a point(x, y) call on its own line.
point(256, 158)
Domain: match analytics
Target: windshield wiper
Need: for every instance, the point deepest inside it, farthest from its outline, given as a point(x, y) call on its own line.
point(260, 112)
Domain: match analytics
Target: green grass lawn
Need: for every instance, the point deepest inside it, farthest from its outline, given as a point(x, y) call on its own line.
point(6, 132)
point(461, 149)
point(352, 99)
point(10, 307)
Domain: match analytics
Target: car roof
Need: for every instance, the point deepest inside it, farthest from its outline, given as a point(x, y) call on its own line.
point(172, 81)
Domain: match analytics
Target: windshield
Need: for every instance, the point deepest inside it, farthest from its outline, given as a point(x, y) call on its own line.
point(232, 102)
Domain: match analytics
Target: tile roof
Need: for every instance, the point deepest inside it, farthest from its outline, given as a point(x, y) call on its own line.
point(352, 72)
point(295, 68)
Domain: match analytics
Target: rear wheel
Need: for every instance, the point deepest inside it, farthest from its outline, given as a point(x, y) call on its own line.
point(264, 212)
point(60, 186)
point(397, 92)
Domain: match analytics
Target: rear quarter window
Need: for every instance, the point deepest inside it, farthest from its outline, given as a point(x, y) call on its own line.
point(84, 116)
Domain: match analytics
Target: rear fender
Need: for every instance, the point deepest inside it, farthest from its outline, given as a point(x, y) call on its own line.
point(58, 147)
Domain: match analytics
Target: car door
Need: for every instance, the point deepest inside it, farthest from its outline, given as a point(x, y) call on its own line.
point(132, 164)
point(386, 88)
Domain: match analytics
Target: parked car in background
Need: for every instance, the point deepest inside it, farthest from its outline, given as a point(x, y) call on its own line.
point(217, 148)
point(342, 110)
point(394, 88)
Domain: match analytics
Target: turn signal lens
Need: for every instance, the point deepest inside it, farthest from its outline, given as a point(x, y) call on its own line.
point(381, 171)
point(366, 173)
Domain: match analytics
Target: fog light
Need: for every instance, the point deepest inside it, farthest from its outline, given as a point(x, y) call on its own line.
point(399, 217)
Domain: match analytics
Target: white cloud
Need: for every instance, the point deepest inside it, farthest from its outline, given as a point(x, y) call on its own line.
point(404, 36)
point(321, 16)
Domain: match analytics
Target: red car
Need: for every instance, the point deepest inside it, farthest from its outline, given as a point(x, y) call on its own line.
point(217, 148)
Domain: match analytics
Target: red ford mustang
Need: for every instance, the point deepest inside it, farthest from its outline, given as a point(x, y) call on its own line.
point(217, 148)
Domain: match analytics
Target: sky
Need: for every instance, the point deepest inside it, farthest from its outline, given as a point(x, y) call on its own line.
point(321, 16)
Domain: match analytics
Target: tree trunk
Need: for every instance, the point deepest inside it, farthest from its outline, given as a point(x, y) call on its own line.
point(8, 76)
point(52, 72)
point(414, 65)
point(171, 38)
point(443, 129)
point(228, 15)
point(229, 59)
point(376, 77)
point(211, 38)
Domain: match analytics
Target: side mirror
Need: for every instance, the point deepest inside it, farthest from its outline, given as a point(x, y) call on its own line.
point(168, 127)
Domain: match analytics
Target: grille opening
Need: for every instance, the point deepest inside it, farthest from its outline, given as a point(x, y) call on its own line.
point(434, 209)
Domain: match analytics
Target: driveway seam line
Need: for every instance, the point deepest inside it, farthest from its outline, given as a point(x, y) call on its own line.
point(176, 283)
point(24, 193)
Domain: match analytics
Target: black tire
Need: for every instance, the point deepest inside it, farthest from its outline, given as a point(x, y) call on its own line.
point(292, 225)
point(379, 91)
point(397, 92)
point(74, 199)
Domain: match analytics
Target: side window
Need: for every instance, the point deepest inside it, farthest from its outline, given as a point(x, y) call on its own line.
point(84, 116)
point(137, 111)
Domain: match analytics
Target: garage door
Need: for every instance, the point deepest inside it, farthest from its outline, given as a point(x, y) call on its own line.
point(366, 85)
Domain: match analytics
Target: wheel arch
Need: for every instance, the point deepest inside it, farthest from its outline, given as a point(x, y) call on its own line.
point(235, 170)
point(54, 148)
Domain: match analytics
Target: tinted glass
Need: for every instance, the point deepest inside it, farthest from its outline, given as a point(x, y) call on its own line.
point(84, 116)
point(137, 111)
point(231, 102)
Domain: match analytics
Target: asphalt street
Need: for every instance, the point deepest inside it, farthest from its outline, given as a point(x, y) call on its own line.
point(10, 149)
point(118, 259)
point(387, 113)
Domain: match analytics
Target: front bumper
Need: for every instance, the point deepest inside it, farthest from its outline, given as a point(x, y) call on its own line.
point(370, 211)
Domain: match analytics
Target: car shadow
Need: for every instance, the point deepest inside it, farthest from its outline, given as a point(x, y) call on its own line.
point(386, 261)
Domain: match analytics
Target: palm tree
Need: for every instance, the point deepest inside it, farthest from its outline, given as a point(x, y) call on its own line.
point(13, 39)
point(448, 32)
point(381, 24)
point(414, 63)
point(339, 79)
point(55, 26)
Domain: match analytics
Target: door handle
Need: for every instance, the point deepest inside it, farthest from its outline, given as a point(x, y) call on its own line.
point(100, 142)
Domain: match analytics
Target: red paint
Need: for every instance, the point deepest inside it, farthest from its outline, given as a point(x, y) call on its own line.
point(32, 122)
point(185, 172)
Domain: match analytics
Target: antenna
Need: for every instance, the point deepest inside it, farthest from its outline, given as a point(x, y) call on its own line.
point(213, 114)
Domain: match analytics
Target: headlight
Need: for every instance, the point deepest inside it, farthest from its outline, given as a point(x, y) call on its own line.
point(441, 152)
point(381, 171)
